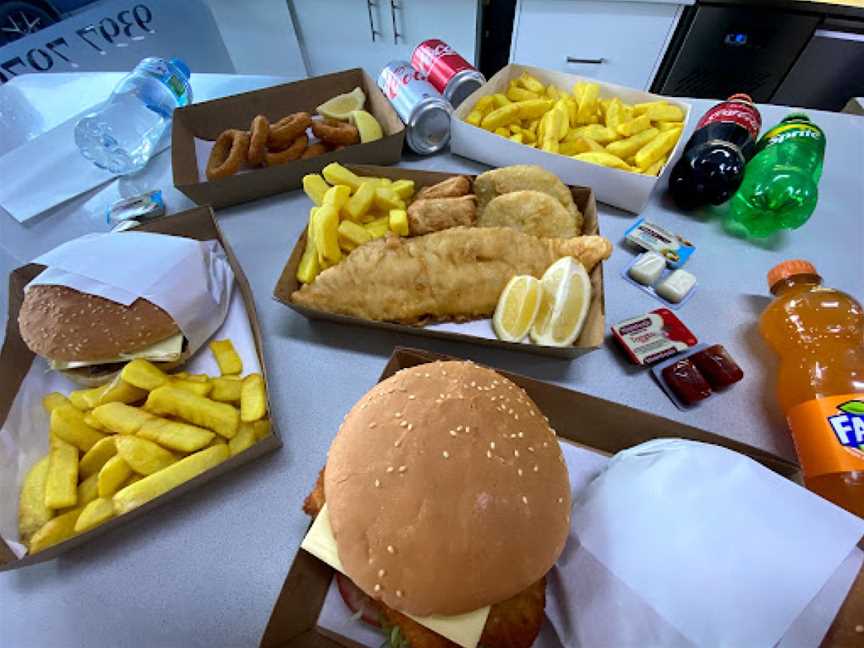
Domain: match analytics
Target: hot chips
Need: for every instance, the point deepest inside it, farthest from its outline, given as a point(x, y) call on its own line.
point(62, 479)
point(219, 417)
point(95, 513)
point(68, 424)
point(253, 399)
point(226, 357)
point(143, 456)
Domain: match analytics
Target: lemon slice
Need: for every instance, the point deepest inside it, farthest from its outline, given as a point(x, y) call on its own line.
point(367, 125)
point(517, 308)
point(563, 305)
point(341, 106)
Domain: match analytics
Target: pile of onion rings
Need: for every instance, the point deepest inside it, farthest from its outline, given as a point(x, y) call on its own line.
point(269, 143)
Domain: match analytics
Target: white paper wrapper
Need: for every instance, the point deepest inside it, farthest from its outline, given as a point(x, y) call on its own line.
point(701, 546)
point(191, 280)
point(24, 435)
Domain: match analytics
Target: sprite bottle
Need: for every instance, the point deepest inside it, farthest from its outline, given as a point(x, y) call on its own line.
point(780, 186)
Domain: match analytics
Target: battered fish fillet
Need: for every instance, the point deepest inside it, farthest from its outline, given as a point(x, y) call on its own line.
point(428, 215)
point(449, 188)
point(457, 273)
point(532, 212)
point(514, 623)
point(520, 177)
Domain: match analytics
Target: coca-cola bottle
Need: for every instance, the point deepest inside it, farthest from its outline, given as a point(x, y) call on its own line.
point(712, 165)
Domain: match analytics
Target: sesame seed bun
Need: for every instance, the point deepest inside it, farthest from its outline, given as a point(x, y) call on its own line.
point(447, 490)
point(60, 323)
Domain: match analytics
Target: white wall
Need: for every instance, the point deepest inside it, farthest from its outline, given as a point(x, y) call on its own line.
point(259, 36)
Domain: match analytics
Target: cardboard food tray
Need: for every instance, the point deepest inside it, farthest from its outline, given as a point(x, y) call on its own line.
point(623, 189)
point(600, 425)
point(595, 322)
point(15, 360)
point(208, 119)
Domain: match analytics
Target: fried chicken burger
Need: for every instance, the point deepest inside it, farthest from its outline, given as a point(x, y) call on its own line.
point(447, 492)
point(89, 338)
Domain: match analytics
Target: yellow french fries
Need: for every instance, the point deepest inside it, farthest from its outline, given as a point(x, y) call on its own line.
point(516, 138)
point(315, 187)
point(378, 227)
point(499, 117)
point(90, 420)
point(655, 168)
point(244, 438)
point(218, 417)
point(202, 389)
point(578, 145)
point(95, 513)
point(227, 391)
point(352, 235)
point(596, 132)
point(515, 93)
point(54, 530)
point(485, 104)
point(474, 118)
point(336, 174)
point(564, 126)
point(398, 222)
point(403, 188)
point(152, 486)
point(119, 391)
point(61, 483)
point(669, 125)
point(112, 475)
point(387, 199)
point(226, 357)
point(53, 400)
point(32, 511)
point(88, 490)
point(635, 125)
point(93, 460)
point(613, 116)
point(253, 399)
point(587, 103)
point(531, 84)
point(121, 418)
point(657, 148)
point(337, 196)
point(143, 456)
point(659, 111)
point(627, 147)
point(499, 100)
point(84, 399)
point(603, 159)
point(325, 225)
point(68, 424)
point(361, 202)
point(175, 435)
point(143, 374)
point(552, 92)
point(309, 266)
point(261, 428)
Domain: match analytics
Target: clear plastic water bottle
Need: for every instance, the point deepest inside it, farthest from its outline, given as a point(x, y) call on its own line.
point(781, 182)
point(121, 134)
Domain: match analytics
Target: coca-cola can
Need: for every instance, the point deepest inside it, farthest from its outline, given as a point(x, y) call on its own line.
point(453, 76)
point(425, 112)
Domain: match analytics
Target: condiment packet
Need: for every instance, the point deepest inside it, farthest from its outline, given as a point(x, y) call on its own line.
point(652, 290)
point(657, 373)
point(650, 237)
point(653, 336)
point(191, 280)
point(683, 543)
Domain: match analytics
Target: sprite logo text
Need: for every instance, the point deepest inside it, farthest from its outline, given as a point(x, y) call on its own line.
point(848, 426)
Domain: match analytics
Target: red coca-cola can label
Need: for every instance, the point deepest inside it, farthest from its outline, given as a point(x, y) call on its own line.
point(439, 62)
point(405, 87)
point(738, 109)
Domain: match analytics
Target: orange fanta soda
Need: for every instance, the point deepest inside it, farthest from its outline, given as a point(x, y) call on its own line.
point(818, 333)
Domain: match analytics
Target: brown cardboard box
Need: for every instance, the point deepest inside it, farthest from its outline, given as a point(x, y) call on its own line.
point(16, 358)
point(595, 322)
point(601, 425)
point(208, 119)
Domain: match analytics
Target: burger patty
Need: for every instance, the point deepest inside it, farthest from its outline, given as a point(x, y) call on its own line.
point(513, 623)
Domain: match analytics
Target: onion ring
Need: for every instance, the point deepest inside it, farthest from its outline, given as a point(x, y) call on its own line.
point(293, 152)
point(285, 131)
point(228, 154)
point(316, 149)
point(259, 133)
point(336, 132)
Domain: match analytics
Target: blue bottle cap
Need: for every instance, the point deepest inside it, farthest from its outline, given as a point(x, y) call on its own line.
point(181, 65)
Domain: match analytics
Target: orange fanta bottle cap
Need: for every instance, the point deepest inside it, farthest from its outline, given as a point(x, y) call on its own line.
point(788, 269)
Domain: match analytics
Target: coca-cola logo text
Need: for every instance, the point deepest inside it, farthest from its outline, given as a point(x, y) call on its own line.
point(401, 76)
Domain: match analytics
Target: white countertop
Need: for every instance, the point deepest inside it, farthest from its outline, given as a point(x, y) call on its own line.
point(205, 570)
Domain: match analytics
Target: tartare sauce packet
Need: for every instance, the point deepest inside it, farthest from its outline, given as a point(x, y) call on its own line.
point(653, 238)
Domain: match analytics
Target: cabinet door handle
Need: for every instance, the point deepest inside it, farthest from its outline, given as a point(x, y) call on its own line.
point(375, 32)
point(589, 61)
point(393, 7)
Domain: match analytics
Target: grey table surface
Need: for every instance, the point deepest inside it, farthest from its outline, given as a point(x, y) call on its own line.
point(205, 570)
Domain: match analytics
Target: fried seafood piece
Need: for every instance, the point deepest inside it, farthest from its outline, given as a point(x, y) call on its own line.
point(521, 177)
point(434, 214)
point(532, 212)
point(449, 188)
point(457, 273)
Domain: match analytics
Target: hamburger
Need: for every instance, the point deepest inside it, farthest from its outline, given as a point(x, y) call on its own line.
point(446, 492)
point(89, 338)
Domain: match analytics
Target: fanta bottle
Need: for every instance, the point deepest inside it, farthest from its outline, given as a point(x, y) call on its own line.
point(818, 333)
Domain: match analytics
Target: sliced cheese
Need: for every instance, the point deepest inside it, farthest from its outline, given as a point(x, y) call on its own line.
point(165, 351)
point(463, 629)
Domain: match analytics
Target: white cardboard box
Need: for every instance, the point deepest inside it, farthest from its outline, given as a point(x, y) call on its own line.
point(623, 189)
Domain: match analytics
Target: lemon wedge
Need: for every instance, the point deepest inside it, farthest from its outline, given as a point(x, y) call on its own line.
point(367, 125)
point(564, 303)
point(341, 106)
point(517, 308)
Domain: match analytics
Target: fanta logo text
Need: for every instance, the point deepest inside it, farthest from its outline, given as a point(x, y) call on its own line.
point(849, 429)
